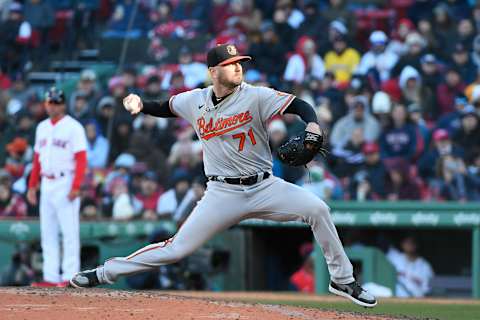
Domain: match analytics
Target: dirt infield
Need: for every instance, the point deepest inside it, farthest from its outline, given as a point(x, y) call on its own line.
point(93, 304)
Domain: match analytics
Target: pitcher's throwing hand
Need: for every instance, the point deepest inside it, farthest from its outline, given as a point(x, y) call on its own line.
point(133, 103)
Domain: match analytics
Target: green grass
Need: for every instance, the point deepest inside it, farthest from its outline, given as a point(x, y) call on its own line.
point(420, 310)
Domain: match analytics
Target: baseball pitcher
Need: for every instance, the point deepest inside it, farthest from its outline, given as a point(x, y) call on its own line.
point(230, 119)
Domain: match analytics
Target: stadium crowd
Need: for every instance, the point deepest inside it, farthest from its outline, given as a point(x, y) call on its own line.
point(396, 84)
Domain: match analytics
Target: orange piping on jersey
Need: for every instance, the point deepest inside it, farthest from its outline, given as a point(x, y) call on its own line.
point(286, 104)
point(161, 245)
point(170, 105)
point(221, 126)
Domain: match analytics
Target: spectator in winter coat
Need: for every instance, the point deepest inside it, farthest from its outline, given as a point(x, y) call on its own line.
point(381, 108)
point(442, 145)
point(15, 33)
point(312, 23)
point(342, 60)
point(87, 88)
point(97, 146)
point(468, 135)
point(399, 139)
point(337, 11)
point(19, 154)
point(431, 76)
point(369, 181)
point(80, 110)
point(448, 90)
point(41, 16)
point(292, 15)
point(399, 184)
point(269, 53)
point(105, 112)
point(169, 202)
point(466, 33)
point(460, 61)
point(305, 64)
point(148, 195)
point(397, 44)
point(195, 73)
point(410, 84)
point(358, 117)
point(348, 158)
point(452, 121)
point(422, 131)
point(443, 25)
point(378, 60)
point(450, 182)
point(12, 205)
point(416, 45)
point(119, 25)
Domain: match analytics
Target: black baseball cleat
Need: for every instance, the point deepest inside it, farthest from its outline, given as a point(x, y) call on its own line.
point(354, 292)
point(85, 279)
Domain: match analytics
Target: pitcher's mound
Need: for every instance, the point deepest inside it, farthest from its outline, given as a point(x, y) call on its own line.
point(93, 304)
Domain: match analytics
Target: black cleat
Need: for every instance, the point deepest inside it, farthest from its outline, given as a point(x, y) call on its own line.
point(354, 292)
point(85, 279)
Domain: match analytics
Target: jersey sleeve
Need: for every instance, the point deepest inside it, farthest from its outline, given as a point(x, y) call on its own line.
point(182, 105)
point(272, 102)
point(79, 141)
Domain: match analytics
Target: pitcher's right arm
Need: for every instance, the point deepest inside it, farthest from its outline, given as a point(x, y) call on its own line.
point(134, 104)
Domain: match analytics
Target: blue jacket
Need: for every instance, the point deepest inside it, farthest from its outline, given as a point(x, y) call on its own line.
point(398, 142)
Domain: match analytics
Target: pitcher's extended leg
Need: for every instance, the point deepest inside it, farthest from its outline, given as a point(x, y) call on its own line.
point(283, 201)
point(219, 209)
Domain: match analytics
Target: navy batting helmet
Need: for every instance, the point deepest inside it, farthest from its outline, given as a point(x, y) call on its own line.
point(55, 96)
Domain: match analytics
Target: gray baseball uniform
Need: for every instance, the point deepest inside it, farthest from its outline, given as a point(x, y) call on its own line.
point(235, 144)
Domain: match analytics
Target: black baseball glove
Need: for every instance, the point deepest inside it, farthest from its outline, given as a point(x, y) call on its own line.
point(300, 150)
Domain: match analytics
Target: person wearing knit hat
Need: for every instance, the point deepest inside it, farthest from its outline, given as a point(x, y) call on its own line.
point(416, 44)
point(441, 145)
point(358, 117)
point(378, 61)
point(18, 156)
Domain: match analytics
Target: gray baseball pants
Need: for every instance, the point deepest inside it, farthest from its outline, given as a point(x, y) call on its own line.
point(224, 205)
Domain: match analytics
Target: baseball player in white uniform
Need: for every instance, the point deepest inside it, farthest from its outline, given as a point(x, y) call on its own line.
point(230, 118)
point(59, 165)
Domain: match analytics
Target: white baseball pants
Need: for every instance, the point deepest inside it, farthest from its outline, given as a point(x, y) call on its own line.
point(59, 215)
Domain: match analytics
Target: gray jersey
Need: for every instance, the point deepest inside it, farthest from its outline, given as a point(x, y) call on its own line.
point(234, 132)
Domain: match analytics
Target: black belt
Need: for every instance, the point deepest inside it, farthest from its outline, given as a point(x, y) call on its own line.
point(246, 181)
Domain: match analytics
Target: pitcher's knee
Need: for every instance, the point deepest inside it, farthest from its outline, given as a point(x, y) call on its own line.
point(318, 210)
point(178, 252)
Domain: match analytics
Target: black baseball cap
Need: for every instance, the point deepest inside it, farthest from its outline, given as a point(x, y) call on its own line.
point(55, 96)
point(224, 54)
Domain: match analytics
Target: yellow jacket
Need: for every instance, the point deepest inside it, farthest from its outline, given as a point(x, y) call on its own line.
point(342, 65)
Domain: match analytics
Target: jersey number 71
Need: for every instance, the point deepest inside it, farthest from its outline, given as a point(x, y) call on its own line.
point(242, 136)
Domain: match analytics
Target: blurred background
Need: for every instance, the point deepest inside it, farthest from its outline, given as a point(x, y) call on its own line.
point(396, 83)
